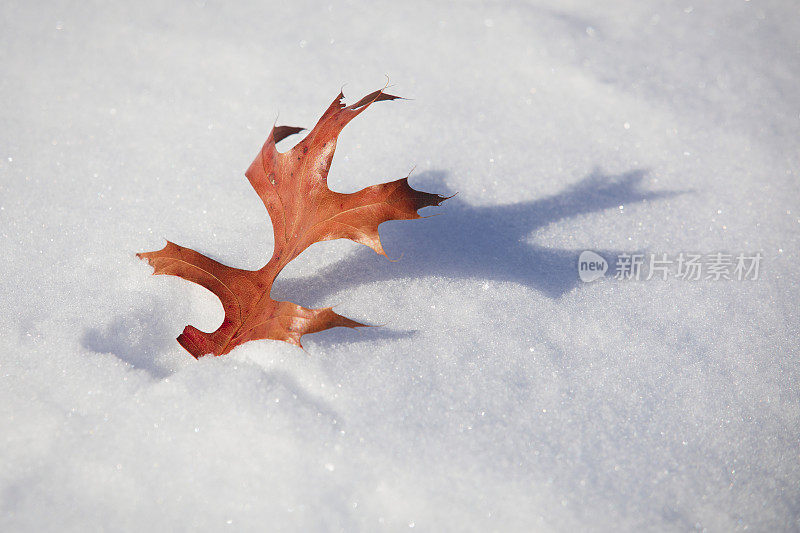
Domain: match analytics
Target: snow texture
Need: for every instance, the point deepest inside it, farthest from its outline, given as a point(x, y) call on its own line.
point(501, 393)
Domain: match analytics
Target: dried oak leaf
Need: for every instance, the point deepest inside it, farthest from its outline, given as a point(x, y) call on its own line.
point(293, 186)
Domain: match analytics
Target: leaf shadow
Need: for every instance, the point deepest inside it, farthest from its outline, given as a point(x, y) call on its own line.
point(137, 339)
point(480, 242)
point(358, 335)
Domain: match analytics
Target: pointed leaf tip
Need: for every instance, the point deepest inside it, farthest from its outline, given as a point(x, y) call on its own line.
point(376, 96)
point(279, 133)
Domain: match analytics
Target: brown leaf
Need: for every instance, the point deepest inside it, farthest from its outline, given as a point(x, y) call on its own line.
point(293, 187)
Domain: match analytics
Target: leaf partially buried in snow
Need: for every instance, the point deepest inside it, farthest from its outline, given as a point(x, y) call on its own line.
point(293, 186)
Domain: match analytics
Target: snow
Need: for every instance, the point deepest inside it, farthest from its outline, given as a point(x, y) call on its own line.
point(501, 393)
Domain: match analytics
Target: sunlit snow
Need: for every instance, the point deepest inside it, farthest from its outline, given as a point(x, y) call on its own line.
point(501, 393)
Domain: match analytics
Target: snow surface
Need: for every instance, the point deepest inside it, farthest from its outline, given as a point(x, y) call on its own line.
point(502, 393)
